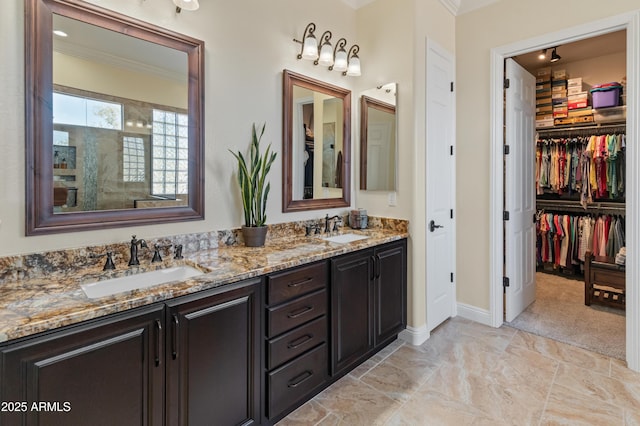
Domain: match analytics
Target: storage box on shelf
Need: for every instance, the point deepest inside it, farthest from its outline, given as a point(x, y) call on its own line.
point(606, 95)
point(610, 115)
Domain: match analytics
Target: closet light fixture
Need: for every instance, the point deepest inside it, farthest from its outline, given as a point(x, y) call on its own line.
point(323, 53)
point(543, 54)
point(189, 5)
point(554, 55)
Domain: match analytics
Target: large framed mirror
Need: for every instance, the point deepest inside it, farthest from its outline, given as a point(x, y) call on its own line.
point(316, 144)
point(378, 140)
point(114, 120)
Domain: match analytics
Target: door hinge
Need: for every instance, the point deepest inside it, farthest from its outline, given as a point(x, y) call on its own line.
point(505, 282)
point(452, 86)
point(451, 214)
point(451, 150)
point(506, 83)
point(505, 215)
point(506, 150)
point(452, 277)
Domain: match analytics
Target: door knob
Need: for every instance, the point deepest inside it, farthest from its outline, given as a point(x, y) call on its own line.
point(433, 226)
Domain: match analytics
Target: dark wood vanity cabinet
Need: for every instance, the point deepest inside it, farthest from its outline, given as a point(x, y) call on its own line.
point(213, 358)
point(368, 303)
point(104, 372)
point(192, 361)
point(296, 339)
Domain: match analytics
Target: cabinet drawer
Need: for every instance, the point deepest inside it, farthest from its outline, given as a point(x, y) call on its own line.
point(295, 342)
point(299, 311)
point(287, 285)
point(294, 381)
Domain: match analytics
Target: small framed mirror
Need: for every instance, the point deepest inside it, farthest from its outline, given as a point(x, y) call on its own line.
point(316, 144)
point(114, 120)
point(378, 139)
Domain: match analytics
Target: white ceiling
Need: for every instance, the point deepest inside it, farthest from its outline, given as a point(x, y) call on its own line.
point(456, 7)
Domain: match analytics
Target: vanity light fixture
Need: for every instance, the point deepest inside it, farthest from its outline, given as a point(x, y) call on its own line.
point(340, 55)
point(309, 44)
point(189, 5)
point(353, 69)
point(554, 55)
point(322, 53)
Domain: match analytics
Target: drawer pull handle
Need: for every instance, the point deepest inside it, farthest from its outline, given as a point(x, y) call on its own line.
point(298, 380)
point(300, 341)
point(299, 312)
point(300, 282)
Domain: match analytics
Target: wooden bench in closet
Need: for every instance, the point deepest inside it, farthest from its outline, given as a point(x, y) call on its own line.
point(604, 281)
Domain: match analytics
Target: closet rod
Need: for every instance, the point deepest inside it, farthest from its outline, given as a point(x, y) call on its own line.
point(598, 207)
point(585, 128)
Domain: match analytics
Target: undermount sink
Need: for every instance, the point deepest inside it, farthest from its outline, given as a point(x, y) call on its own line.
point(345, 238)
point(111, 286)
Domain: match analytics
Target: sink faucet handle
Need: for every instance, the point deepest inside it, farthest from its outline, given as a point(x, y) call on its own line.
point(177, 254)
point(338, 222)
point(156, 254)
point(108, 265)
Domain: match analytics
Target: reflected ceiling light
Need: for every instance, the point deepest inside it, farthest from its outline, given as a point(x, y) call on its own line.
point(322, 53)
point(60, 33)
point(186, 5)
point(554, 55)
point(543, 54)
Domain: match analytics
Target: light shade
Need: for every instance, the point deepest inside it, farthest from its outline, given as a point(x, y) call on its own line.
point(340, 63)
point(554, 56)
point(187, 4)
point(354, 66)
point(326, 55)
point(310, 48)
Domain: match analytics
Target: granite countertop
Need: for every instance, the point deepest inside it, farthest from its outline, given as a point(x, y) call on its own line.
point(30, 306)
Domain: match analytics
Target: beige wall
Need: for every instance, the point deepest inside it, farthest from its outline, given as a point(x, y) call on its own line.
point(247, 45)
point(392, 35)
point(505, 22)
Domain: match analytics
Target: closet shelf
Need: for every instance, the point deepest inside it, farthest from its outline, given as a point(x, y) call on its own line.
point(575, 206)
point(617, 127)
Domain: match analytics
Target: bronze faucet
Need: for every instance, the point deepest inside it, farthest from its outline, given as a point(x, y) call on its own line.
point(134, 250)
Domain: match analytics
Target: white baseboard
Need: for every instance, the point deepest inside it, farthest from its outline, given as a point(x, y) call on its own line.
point(415, 336)
point(474, 314)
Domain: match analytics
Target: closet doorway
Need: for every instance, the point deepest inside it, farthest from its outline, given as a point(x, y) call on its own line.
point(630, 23)
point(576, 212)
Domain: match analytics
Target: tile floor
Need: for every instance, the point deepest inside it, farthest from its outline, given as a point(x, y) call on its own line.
point(471, 374)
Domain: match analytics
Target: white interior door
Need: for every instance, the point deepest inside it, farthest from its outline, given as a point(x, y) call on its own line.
point(519, 227)
point(440, 186)
point(378, 149)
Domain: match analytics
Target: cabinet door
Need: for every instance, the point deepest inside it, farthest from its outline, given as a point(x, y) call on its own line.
point(213, 356)
point(390, 291)
point(351, 314)
point(106, 372)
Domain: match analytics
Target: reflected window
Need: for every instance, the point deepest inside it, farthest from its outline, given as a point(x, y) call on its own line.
point(60, 138)
point(133, 159)
point(86, 112)
point(170, 153)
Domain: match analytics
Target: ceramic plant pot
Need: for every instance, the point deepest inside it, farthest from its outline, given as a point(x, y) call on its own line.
point(254, 236)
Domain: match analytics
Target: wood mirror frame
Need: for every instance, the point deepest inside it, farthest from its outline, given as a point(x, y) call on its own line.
point(291, 79)
point(367, 102)
point(40, 217)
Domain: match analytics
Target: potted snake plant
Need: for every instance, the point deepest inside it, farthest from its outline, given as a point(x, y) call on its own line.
point(254, 188)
